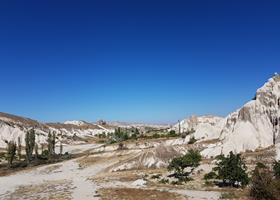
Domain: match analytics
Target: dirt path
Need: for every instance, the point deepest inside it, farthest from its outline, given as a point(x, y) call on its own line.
point(70, 172)
point(27, 184)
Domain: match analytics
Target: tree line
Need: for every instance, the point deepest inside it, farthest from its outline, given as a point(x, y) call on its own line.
point(31, 148)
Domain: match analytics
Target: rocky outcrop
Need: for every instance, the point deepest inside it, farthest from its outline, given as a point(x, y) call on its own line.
point(204, 127)
point(255, 125)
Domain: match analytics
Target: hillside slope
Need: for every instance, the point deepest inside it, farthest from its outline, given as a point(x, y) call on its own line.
point(13, 127)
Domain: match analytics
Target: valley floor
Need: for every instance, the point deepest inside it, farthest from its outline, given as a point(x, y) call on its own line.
point(94, 176)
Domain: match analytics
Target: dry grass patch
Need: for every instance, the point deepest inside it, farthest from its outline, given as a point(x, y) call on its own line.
point(137, 194)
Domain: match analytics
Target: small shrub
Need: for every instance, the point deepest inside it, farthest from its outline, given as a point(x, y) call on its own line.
point(45, 153)
point(210, 175)
point(164, 181)
point(121, 146)
point(155, 176)
point(172, 133)
point(264, 186)
point(276, 168)
point(192, 140)
point(176, 183)
point(208, 183)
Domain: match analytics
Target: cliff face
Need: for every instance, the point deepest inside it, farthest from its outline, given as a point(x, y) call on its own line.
point(255, 125)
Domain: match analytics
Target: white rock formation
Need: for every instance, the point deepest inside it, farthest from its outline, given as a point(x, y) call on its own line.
point(255, 125)
point(13, 127)
point(205, 127)
point(75, 122)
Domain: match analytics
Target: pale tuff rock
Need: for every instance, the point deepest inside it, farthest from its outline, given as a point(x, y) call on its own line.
point(205, 127)
point(156, 157)
point(255, 125)
point(139, 183)
point(75, 122)
point(14, 127)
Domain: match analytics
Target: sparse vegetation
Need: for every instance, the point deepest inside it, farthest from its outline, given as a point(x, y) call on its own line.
point(227, 195)
point(164, 181)
point(119, 135)
point(11, 152)
point(19, 148)
point(124, 134)
point(210, 175)
point(276, 169)
point(60, 148)
point(155, 176)
point(264, 185)
point(36, 151)
point(231, 170)
point(192, 140)
point(51, 144)
point(29, 144)
point(189, 161)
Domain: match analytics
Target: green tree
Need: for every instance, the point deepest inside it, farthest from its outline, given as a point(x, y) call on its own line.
point(32, 136)
point(276, 169)
point(27, 147)
point(120, 135)
point(29, 144)
point(232, 170)
point(19, 148)
point(60, 148)
point(36, 151)
point(53, 142)
point(189, 161)
point(11, 152)
point(50, 144)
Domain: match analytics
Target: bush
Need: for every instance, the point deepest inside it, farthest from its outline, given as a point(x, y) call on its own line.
point(155, 176)
point(45, 154)
point(192, 140)
point(172, 133)
point(232, 170)
point(164, 181)
point(264, 186)
point(176, 182)
point(210, 175)
point(276, 168)
point(119, 135)
point(134, 136)
point(178, 165)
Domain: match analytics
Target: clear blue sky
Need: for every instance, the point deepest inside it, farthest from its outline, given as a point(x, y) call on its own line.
point(147, 61)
